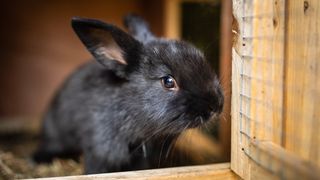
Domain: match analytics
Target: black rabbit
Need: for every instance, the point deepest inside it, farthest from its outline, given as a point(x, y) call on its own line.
point(142, 88)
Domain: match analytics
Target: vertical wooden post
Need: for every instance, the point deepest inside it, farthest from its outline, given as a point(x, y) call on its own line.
point(225, 76)
point(302, 82)
point(257, 79)
point(172, 19)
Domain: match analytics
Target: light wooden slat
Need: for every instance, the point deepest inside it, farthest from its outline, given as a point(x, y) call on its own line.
point(216, 171)
point(280, 163)
point(278, 48)
point(302, 80)
point(239, 162)
point(266, 106)
point(257, 78)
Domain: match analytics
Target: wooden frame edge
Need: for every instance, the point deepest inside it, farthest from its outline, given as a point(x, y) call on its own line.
point(280, 162)
point(212, 171)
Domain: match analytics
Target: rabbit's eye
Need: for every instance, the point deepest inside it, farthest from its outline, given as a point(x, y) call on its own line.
point(169, 83)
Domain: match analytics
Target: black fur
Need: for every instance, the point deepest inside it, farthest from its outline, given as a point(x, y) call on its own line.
point(106, 109)
point(138, 28)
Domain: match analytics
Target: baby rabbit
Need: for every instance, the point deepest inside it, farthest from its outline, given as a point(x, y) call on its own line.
point(142, 88)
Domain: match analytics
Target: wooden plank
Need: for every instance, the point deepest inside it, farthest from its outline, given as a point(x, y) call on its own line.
point(238, 160)
point(257, 78)
point(277, 72)
point(266, 106)
point(278, 162)
point(261, 173)
point(216, 171)
point(302, 120)
point(225, 77)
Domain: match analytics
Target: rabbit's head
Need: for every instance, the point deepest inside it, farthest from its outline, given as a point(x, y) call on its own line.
point(168, 83)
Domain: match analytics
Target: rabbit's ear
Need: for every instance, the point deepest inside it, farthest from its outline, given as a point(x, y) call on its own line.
point(111, 47)
point(138, 28)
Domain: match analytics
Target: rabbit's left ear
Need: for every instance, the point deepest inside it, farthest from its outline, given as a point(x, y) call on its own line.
point(113, 48)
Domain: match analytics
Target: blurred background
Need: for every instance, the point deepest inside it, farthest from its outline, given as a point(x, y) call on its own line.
point(38, 49)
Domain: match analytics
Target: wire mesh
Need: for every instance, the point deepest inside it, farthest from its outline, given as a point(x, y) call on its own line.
point(278, 88)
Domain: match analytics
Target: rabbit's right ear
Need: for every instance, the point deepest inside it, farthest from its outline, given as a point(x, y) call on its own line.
point(138, 28)
point(111, 47)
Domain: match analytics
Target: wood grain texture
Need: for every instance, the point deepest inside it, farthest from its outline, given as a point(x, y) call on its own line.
point(278, 162)
point(257, 82)
point(239, 162)
point(276, 90)
point(266, 88)
point(302, 121)
point(217, 171)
